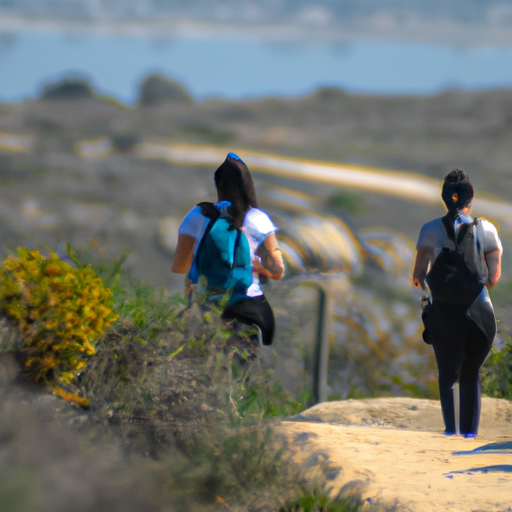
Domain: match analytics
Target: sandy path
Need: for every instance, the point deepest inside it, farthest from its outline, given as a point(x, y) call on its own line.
point(417, 468)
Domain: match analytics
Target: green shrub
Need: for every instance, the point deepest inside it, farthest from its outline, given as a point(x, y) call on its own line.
point(351, 202)
point(157, 88)
point(497, 372)
point(68, 89)
point(318, 501)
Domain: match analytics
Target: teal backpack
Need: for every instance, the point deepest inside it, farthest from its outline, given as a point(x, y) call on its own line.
point(223, 258)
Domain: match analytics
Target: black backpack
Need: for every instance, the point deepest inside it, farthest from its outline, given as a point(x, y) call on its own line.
point(458, 276)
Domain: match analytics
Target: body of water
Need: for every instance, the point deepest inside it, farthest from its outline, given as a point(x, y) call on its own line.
point(237, 69)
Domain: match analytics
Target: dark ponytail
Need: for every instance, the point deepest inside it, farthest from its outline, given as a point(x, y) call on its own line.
point(457, 192)
point(234, 184)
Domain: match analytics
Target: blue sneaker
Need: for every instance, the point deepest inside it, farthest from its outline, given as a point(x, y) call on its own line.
point(448, 433)
point(469, 435)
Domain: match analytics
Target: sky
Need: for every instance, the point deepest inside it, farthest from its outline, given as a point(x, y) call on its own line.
point(238, 69)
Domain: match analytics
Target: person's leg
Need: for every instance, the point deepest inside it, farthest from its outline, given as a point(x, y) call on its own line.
point(448, 336)
point(476, 350)
point(254, 311)
point(448, 364)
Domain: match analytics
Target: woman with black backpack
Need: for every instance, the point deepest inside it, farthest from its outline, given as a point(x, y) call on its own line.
point(237, 203)
point(458, 258)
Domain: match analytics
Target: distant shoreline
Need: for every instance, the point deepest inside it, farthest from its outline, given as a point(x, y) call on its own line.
point(377, 28)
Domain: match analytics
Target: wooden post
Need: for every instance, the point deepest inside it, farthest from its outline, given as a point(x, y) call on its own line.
point(323, 331)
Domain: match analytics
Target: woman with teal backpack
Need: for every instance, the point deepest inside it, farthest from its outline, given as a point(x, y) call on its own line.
point(236, 232)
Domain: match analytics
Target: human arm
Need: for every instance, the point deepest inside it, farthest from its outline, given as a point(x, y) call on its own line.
point(424, 256)
point(271, 265)
point(184, 254)
point(493, 251)
point(493, 262)
point(191, 229)
point(261, 231)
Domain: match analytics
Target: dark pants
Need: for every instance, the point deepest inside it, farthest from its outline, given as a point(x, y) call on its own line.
point(460, 348)
point(254, 311)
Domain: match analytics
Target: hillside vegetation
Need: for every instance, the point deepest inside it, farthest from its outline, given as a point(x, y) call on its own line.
point(180, 411)
point(173, 410)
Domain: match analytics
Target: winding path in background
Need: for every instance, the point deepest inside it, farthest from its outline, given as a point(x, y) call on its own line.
point(403, 185)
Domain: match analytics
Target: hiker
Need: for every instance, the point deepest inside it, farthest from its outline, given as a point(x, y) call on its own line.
point(237, 206)
point(459, 317)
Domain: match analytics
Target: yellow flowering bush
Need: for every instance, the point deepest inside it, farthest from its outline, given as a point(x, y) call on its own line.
point(60, 311)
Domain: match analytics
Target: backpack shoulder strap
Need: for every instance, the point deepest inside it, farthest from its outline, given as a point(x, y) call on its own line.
point(450, 231)
point(480, 241)
point(464, 228)
point(237, 244)
point(480, 235)
point(208, 210)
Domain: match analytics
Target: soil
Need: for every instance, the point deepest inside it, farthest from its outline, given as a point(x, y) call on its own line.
point(394, 450)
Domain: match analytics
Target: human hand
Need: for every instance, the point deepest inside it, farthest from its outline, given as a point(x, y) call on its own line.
point(189, 288)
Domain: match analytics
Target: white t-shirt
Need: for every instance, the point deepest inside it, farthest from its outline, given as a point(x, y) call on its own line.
point(257, 226)
point(433, 234)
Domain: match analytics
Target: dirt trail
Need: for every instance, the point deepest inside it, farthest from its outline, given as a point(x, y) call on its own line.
point(394, 449)
point(404, 185)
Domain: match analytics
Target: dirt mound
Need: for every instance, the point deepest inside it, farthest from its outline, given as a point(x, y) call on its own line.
point(406, 413)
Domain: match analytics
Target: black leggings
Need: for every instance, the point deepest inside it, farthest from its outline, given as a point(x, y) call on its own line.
point(460, 348)
point(254, 311)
